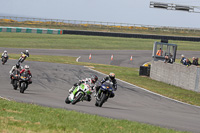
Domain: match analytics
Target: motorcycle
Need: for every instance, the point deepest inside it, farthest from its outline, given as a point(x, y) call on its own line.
point(15, 77)
point(4, 59)
point(22, 58)
point(79, 94)
point(104, 93)
point(24, 81)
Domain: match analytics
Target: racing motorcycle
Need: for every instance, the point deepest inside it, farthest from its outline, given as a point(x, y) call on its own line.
point(4, 59)
point(22, 58)
point(104, 93)
point(79, 94)
point(15, 77)
point(24, 81)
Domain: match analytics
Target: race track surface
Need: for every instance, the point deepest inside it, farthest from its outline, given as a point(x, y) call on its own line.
point(52, 81)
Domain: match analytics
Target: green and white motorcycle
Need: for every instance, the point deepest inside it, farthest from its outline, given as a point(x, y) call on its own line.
point(79, 94)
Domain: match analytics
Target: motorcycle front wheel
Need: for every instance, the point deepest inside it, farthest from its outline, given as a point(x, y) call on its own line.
point(23, 87)
point(77, 99)
point(103, 98)
point(67, 101)
point(15, 84)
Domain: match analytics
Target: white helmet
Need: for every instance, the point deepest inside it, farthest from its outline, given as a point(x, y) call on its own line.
point(26, 51)
point(26, 67)
point(5, 51)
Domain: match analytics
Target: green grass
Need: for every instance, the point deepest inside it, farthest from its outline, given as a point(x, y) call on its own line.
point(20, 117)
point(130, 75)
point(47, 41)
point(29, 118)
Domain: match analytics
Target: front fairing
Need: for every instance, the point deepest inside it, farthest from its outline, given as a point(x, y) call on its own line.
point(107, 86)
point(83, 88)
point(24, 77)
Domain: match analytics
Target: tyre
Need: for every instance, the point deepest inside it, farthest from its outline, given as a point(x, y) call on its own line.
point(67, 101)
point(23, 87)
point(15, 84)
point(103, 98)
point(96, 103)
point(78, 98)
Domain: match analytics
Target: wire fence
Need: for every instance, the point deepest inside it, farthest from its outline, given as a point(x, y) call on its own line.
point(90, 25)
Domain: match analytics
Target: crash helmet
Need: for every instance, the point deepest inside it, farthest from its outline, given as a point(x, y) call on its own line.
point(5, 51)
point(26, 67)
point(94, 79)
point(112, 76)
point(26, 51)
point(17, 65)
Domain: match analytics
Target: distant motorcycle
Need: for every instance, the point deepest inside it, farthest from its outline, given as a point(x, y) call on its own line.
point(22, 58)
point(15, 77)
point(4, 59)
point(24, 81)
point(104, 93)
point(78, 94)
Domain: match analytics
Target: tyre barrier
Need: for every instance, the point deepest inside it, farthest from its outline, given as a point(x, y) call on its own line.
point(30, 30)
point(143, 36)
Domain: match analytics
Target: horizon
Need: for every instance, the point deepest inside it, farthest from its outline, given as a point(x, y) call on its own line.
point(127, 11)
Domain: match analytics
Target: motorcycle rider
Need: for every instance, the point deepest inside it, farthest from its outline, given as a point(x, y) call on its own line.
point(14, 68)
point(90, 81)
point(26, 53)
point(111, 78)
point(26, 69)
point(4, 54)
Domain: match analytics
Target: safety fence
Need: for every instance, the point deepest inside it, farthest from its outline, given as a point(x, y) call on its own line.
point(92, 25)
point(30, 30)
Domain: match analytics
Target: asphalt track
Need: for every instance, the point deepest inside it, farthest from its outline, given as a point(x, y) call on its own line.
point(52, 81)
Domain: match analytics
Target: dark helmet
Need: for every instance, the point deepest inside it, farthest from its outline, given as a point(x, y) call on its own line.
point(94, 79)
point(112, 76)
point(17, 65)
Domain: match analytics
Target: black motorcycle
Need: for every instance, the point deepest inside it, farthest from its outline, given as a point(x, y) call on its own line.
point(104, 93)
point(4, 59)
point(15, 79)
point(24, 81)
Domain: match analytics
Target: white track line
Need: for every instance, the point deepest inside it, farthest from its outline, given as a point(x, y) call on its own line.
point(5, 98)
point(149, 91)
point(78, 58)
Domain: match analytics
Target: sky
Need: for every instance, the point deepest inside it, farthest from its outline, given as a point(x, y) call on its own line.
point(119, 11)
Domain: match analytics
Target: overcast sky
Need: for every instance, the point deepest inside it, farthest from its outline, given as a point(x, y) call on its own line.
point(120, 11)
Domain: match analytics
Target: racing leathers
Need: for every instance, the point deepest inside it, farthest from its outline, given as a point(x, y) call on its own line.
point(26, 53)
point(14, 68)
point(5, 55)
point(86, 81)
point(107, 78)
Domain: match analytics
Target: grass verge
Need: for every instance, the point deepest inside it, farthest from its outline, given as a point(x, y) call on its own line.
point(21, 117)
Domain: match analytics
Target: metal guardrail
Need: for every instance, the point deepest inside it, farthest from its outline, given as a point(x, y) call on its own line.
point(97, 24)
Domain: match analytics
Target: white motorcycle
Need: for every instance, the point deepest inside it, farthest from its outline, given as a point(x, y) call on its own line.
point(79, 94)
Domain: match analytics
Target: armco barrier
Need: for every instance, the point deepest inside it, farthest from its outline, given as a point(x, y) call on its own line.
point(196, 39)
point(176, 74)
point(30, 30)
